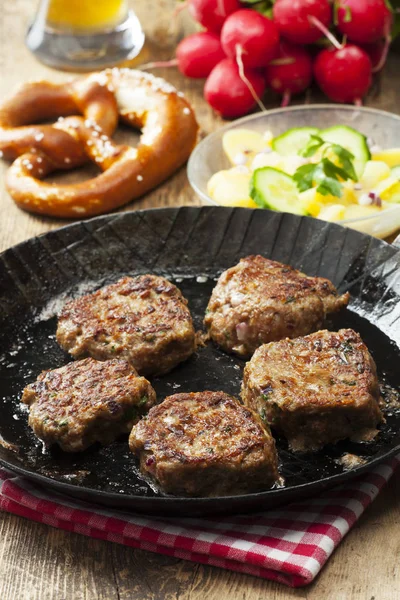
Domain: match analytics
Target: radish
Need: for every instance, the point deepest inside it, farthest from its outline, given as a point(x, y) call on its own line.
point(297, 19)
point(344, 75)
point(291, 72)
point(212, 13)
point(231, 93)
point(252, 35)
point(198, 54)
point(377, 53)
point(363, 21)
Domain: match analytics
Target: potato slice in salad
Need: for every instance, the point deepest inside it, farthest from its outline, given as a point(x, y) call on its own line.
point(375, 171)
point(360, 212)
point(332, 212)
point(241, 145)
point(314, 202)
point(231, 188)
point(391, 156)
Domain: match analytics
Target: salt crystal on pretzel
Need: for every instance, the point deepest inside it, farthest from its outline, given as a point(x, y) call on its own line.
point(169, 132)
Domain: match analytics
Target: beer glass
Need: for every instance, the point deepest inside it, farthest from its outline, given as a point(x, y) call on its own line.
point(83, 35)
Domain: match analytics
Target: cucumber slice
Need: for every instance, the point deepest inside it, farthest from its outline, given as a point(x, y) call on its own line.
point(354, 141)
point(276, 190)
point(293, 140)
point(396, 172)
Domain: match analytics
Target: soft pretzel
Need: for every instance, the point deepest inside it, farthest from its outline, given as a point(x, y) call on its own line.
point(169, 131)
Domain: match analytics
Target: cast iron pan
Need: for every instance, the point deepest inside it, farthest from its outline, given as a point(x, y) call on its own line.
point(190, 246)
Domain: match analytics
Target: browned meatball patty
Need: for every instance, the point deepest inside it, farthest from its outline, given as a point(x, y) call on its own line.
point(316, 389)
point(205, 444)
point(143, 319)
point(87, 401)
point(260, 300)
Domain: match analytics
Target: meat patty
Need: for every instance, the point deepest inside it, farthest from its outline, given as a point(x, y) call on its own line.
point(205, 444)
point(87, 401)
point(315, 390)
point(260, 300)
point(143, 319)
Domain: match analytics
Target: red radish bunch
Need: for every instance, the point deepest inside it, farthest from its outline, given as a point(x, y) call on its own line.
point(242, 52)
point(228, 94)
point(295, 19)
point(212, 13)
point(376, 52)
point(291, 72)
point(364, 21)
point(198, 54)
point(254, 36)
point(344, 75)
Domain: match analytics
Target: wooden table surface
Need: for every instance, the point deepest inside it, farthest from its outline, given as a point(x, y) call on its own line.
point(41, 563)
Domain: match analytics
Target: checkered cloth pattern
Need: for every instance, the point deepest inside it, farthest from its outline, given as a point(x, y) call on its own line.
point(289, 545)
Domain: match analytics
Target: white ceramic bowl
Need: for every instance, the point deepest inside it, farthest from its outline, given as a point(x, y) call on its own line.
point(384, 128)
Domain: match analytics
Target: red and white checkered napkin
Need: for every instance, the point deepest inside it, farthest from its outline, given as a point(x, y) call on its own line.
point(289, 545)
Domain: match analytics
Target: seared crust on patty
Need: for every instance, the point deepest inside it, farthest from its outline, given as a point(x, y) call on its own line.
point(316, 389)
point(205, 444)
point(87, 401)
point(143, 319)
point(261, 300)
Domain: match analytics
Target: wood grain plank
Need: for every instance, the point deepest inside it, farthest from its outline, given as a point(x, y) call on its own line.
point(42, 563)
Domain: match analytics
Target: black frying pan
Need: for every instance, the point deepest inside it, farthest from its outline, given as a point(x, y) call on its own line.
point(190, 246)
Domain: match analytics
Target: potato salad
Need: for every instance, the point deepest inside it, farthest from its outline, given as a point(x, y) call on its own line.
point(334, 174)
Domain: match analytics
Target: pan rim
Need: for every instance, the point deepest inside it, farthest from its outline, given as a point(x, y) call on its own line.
point(171, 500)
